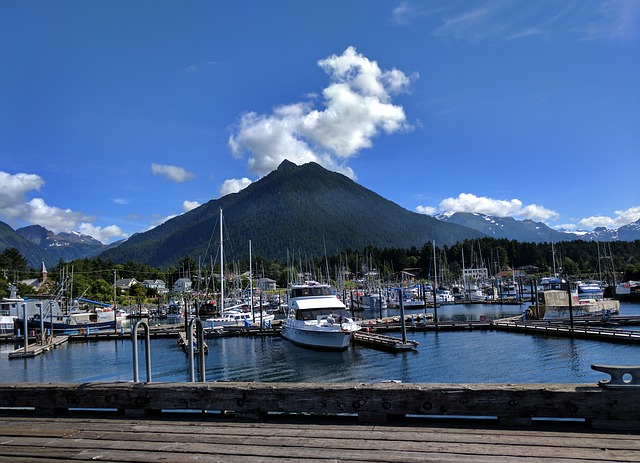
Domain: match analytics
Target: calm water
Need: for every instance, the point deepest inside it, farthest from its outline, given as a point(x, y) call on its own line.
point(458, 357)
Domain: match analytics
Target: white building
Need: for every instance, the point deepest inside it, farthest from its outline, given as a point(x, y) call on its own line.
point(158, 285)
point(182, 285)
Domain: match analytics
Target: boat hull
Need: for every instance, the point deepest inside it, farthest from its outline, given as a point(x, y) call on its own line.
point(317, 338)
point(556, 305)
point(70, 329)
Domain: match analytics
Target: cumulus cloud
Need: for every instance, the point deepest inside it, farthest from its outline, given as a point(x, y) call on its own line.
point(356, 108)
point(233, 185)
point(467, 202)
point(426, 210)
point(622, 217)
point(102, 234)
point(15, 208)
point(14, 189)
point(173, 173)
point(189, 205)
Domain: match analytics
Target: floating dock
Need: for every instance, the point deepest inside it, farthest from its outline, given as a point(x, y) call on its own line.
point(36, 349)
point(184, 343)
point(383, 342)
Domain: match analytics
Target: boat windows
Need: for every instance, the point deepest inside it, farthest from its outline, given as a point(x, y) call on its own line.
point(311, 291)
point(313, 314)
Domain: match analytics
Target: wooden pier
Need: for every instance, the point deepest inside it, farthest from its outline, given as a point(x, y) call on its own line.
point(319, 422)
point(565, 330)
point(32, 350)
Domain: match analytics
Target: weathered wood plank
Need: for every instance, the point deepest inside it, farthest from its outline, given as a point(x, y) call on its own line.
point(176, 440)
point(204, 433)
point(506, 401)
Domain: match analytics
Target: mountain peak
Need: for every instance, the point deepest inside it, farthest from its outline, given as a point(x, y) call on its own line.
point(286, 165)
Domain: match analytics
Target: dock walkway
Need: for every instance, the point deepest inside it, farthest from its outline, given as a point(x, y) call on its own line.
point(216, 439)
point(36, 349)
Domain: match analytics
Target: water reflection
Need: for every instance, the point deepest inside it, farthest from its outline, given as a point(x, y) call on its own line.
point(460, 357)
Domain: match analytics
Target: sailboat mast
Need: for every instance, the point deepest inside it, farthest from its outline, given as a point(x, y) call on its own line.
point(250, 281)
point(435, 269)
point(221, 268)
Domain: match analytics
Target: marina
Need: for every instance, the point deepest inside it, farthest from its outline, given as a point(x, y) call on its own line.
point(466, 345)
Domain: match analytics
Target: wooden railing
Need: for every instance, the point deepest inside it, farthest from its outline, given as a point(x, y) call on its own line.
point(515, 404)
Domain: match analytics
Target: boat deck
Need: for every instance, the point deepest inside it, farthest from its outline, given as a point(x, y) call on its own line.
point(213, 438)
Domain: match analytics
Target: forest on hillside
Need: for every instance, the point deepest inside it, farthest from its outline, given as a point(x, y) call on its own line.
point(94, 278)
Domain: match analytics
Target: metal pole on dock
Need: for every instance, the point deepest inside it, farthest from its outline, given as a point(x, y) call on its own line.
point(570, 302)
point(26, 328)
point(435, 308)
point(537, 300)
point(39, 304)
point(403, 323)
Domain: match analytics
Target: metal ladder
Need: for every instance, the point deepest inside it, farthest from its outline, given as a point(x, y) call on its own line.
point(147, 338)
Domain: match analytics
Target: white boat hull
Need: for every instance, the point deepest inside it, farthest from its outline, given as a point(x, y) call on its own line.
point(317, 337)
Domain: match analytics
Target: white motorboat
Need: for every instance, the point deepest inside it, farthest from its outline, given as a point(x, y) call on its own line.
point(317, 318)
point(241, 318)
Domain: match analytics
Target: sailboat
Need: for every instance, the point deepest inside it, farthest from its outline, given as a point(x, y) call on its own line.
point(239, 314)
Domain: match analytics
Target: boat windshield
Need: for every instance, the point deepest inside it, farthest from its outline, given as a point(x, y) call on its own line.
point(311, 291)
point(313, 314)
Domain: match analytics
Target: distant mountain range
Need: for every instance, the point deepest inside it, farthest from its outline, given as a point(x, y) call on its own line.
point(301, 210)
point(536, 232)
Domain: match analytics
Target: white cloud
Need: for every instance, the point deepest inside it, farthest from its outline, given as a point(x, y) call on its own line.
point(104, 235)
point(467, 202)
point(189, 205)
point(13, 190)
point(173, 173)
point(233, 185)
point(427, 210)
point(520, 19)
point(356, 109)
point(622, 217)
point(615, 20)
point(16, 209)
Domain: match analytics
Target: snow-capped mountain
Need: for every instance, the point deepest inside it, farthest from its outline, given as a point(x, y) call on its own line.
point(536, 232)
point(65, 245)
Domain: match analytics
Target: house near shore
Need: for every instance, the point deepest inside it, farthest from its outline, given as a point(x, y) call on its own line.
point(266, 284)
point(158, 285)
point(125, 284)
point(182, 285)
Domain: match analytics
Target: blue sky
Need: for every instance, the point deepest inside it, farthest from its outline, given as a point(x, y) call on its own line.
point(116, 115)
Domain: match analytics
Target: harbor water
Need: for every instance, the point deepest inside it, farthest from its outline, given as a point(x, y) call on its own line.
point(474, 356)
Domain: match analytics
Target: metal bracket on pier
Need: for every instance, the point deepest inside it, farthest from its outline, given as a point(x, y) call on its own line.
point(621, 376)
point(134, 341)
point(200, 343)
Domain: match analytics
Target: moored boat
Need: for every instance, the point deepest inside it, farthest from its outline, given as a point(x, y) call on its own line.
point(554, 302)
point(234, 317)
point(317, 318)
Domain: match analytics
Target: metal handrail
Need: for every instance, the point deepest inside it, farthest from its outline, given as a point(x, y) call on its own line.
point(134, 341)
point(191, 350)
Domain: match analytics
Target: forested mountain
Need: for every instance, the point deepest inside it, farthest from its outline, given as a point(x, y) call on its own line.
point(303, 210)
point(33, 254)
point(65, 246)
